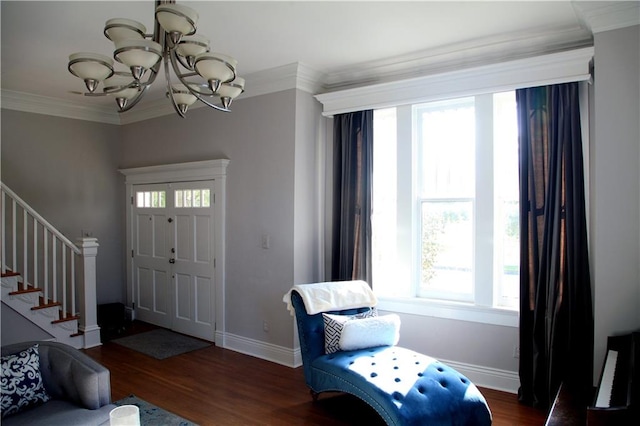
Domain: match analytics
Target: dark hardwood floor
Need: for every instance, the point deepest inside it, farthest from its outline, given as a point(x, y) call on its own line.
point(215, 386)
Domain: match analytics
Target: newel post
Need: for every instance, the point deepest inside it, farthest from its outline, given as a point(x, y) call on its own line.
point(87, 292)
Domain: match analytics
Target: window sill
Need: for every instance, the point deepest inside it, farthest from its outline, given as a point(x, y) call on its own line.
point(450, 310)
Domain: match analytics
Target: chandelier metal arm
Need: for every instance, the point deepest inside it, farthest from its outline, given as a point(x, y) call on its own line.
point(174, 64)
point(135, 100)
point(169, 89)
point(143, 90)
point(185, 65)
point(158, 37)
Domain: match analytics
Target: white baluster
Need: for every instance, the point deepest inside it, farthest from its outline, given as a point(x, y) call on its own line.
point(15, 238)
point(54, 268)
point(25, 259)
point(4, 232)
point(35, 252)
point(73, 284)
point(64, 280)
point(45, 264)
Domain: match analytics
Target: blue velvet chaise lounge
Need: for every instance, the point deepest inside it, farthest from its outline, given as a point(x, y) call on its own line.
point(403, 386)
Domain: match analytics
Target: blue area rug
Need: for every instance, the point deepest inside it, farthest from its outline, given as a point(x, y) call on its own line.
point(154, 416)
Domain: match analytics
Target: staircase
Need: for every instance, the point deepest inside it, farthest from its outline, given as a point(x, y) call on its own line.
point(45, 277)
point(46, 314)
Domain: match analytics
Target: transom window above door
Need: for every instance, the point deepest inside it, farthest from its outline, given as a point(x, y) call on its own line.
point(151, 199)
point(193, 198)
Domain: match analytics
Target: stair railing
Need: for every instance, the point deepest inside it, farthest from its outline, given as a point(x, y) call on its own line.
point(49, 261)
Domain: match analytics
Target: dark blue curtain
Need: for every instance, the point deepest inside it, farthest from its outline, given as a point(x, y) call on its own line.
point(353, 175)
point(556, 314)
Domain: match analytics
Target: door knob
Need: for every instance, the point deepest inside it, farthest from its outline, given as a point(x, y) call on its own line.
point(172, 260)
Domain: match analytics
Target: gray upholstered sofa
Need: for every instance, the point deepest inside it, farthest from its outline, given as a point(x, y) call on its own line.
point(79, 387)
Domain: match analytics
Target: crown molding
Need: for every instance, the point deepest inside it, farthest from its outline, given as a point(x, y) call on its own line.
point(292, 76)
point(473, 53)
point(607, 16)
point(28, 102)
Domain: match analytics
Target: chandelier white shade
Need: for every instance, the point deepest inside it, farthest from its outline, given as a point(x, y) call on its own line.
point(216, 69)
point(202, 75)
point(177, 18)
point(123, 29)
point(91, 67)
point(138, 53)
point(192, 46)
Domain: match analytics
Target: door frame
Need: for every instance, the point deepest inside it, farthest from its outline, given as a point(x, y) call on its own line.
point(215, 170)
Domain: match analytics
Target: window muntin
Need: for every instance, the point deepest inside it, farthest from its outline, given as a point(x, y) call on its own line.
point(445, 213)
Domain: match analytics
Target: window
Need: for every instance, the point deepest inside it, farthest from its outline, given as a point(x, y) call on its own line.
point(150, 199)
point(445, 203)
point(193, 198)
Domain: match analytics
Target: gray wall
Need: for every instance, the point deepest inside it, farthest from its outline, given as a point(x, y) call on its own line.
point(615, 188)
point(67, 171)
point(259, 139)
point(16, 328)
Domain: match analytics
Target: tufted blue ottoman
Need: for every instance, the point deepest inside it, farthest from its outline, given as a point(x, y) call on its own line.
point(403, 386)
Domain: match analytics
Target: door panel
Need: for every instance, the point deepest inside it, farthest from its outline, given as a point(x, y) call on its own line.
point(203, 311)
point(194, 266)
point(174, 258)
point(150, 257)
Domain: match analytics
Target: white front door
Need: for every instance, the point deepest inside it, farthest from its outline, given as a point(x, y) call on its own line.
point(173, 256)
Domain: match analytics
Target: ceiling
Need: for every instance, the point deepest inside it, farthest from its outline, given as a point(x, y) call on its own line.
point(344, 43)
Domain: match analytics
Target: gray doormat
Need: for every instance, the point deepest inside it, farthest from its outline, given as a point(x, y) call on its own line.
point(161, 343)
point(152, 415)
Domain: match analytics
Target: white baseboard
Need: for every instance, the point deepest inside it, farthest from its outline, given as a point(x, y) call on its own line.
point(262, 350)
point(487, 377)
point(492, 378)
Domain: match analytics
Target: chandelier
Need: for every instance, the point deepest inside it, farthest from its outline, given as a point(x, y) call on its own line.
point(204, 76)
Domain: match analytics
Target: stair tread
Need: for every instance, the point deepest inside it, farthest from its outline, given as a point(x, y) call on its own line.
point(69, 318)
point(46, 305)
point(10, 274)
point(27, 290)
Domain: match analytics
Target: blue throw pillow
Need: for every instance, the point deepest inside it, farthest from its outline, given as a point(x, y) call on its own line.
point(22, 385)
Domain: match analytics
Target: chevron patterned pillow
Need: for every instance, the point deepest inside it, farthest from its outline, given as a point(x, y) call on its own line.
point(334, 324)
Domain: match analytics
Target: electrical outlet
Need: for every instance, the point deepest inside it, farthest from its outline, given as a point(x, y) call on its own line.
point(265, 326)
point(516, 352)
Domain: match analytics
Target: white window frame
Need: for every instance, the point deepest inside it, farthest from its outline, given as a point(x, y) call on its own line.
point(482, 307)
point(555, 68)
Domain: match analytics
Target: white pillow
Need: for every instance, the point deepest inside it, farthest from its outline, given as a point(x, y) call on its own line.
point(370, 332)
point(333, 325)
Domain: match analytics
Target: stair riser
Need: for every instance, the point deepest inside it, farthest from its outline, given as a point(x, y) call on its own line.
point(10, 282)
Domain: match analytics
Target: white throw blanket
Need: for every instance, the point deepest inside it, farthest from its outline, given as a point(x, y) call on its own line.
point(332, 296)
